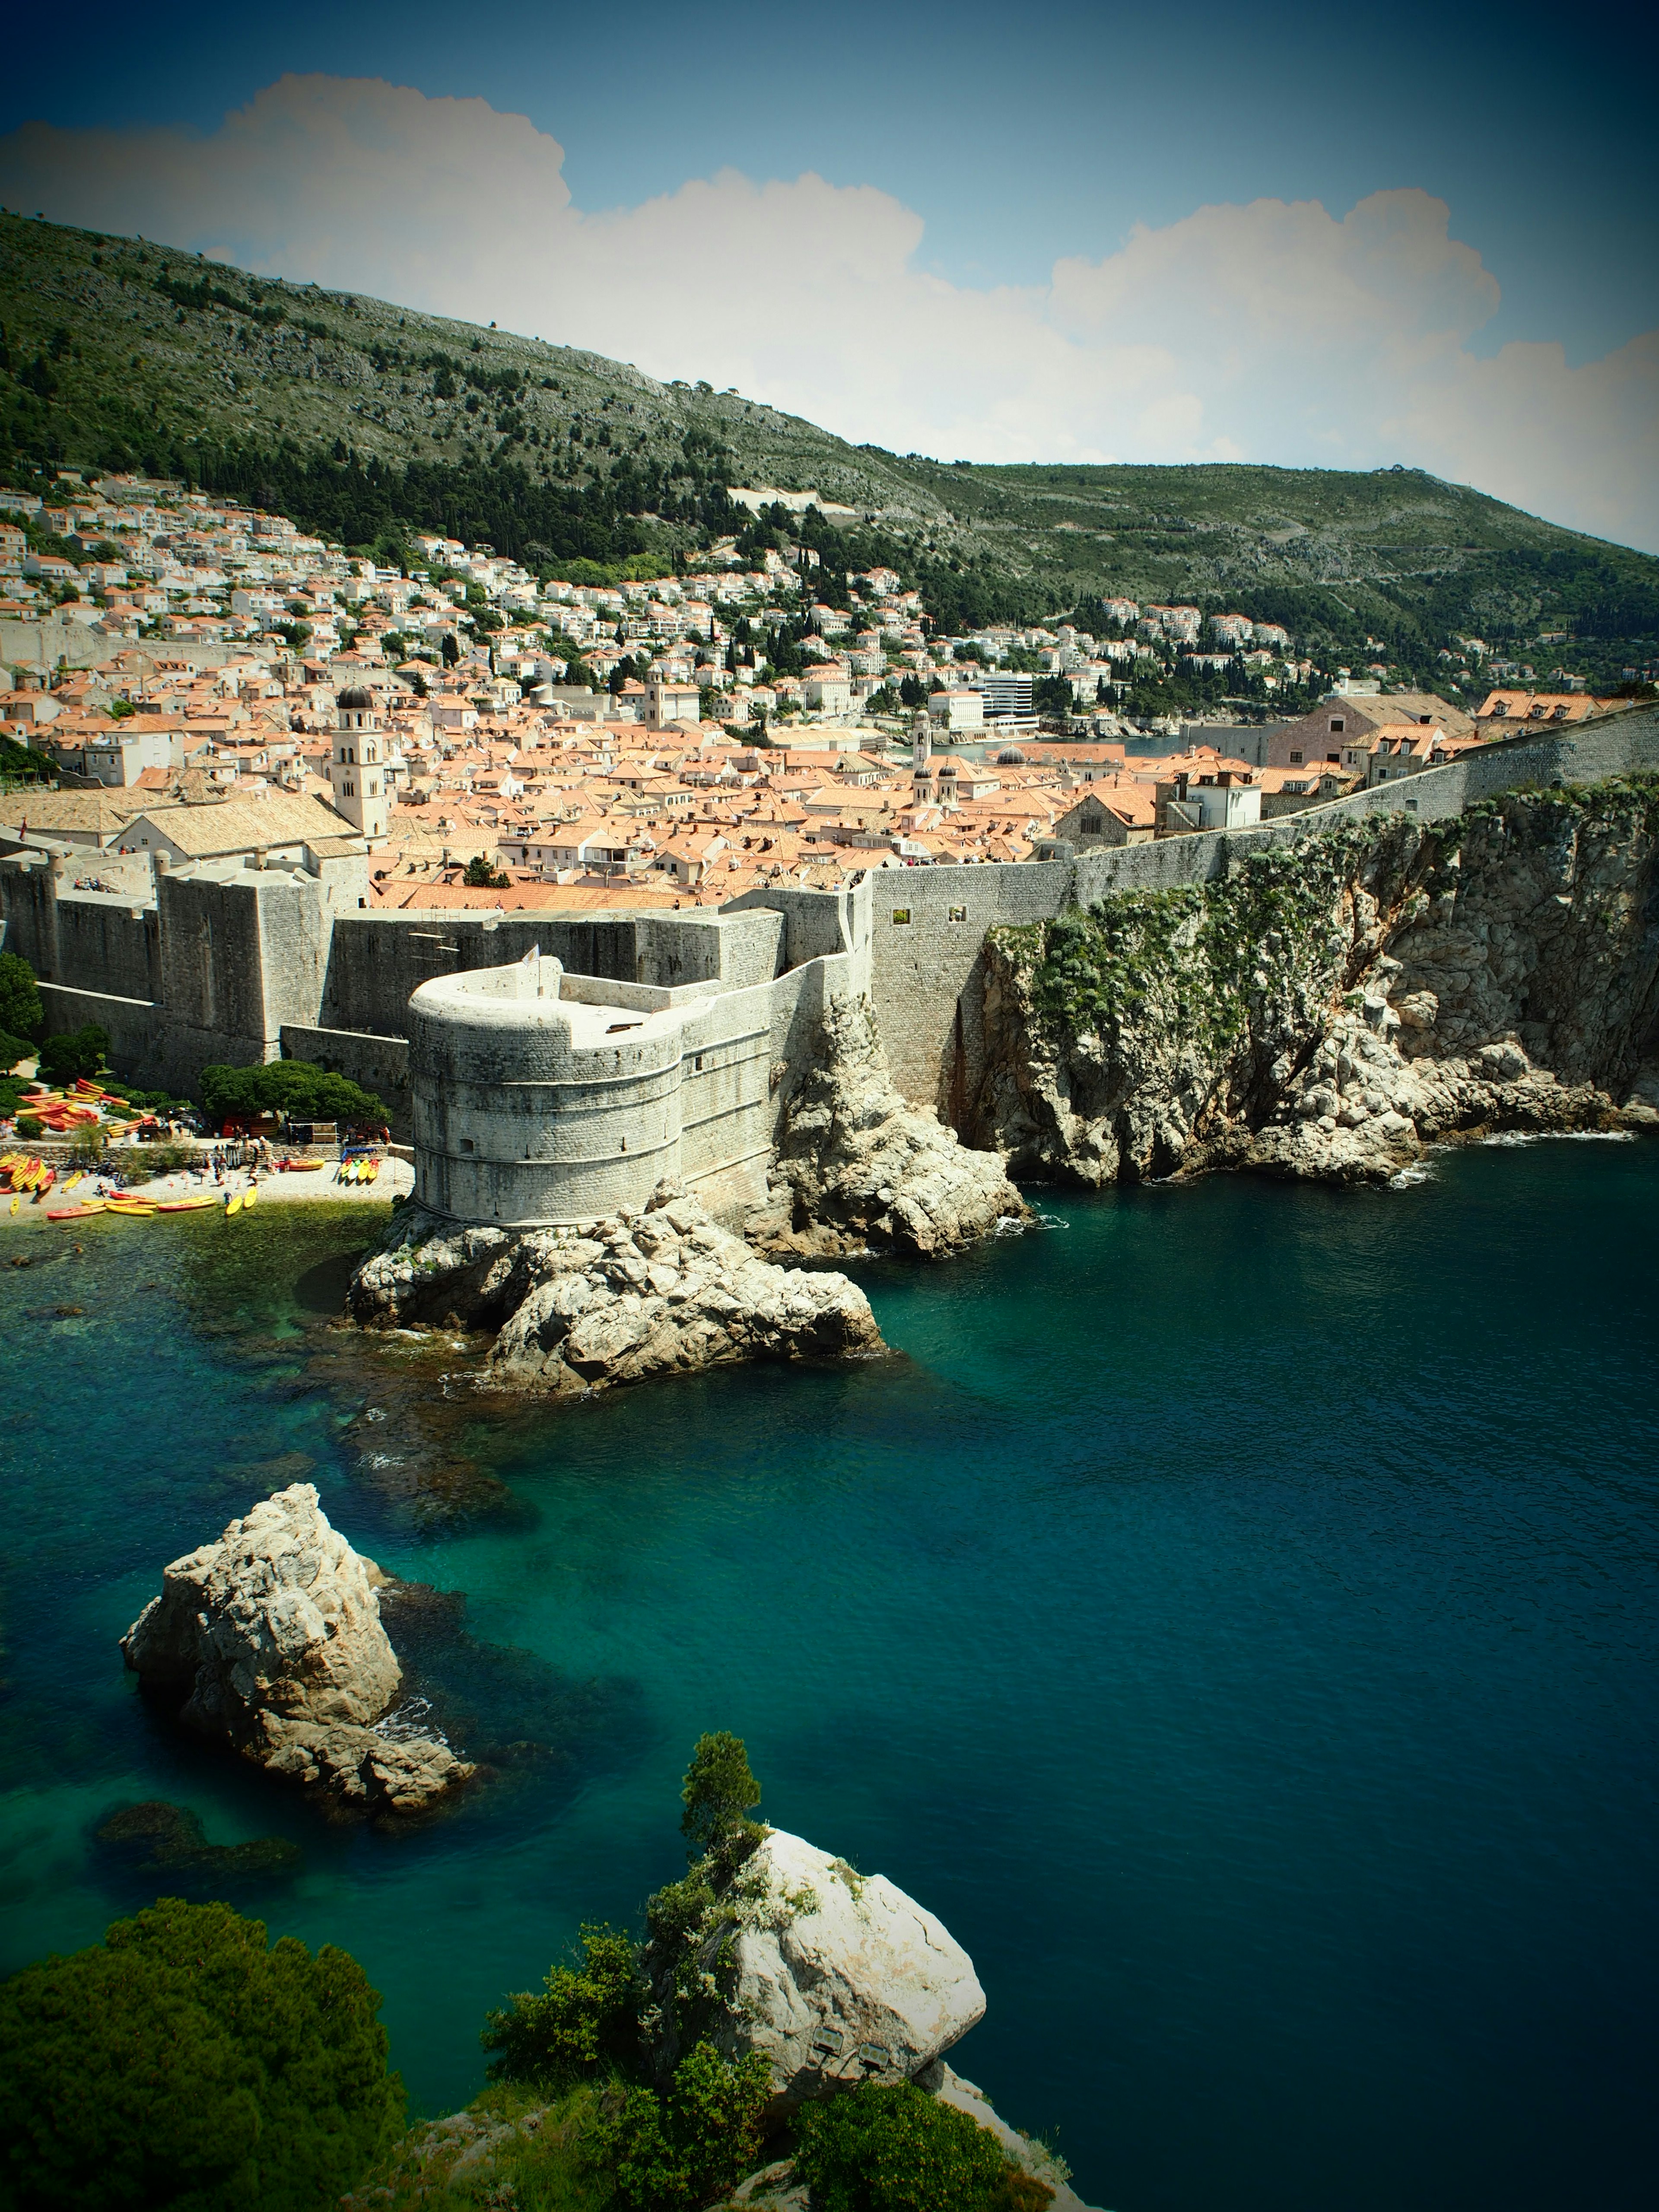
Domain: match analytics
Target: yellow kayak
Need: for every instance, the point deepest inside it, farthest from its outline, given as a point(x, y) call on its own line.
point(16, 1204)
point(140, 1209)
point(249, 1195)
point(183, 1205)
point(233, 1205)
point(78, 1176)
point(372, 1171)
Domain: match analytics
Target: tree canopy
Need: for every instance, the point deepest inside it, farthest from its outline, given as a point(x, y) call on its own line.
point(182, 2064)
point(75, 1053)
point(718, 1792)
point(298, 1088)
point(21, 1012)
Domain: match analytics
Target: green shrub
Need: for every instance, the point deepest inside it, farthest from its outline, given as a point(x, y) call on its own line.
point(30, 1125)
point(20, 1011)
point(586, 2019)
point(181, 2063)
point(295, 1087)
point(78, 1052)
point(678, 2151)
point(14, 1049)
point(894, 2149)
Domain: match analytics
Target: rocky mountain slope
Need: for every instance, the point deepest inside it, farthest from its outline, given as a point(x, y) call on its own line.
point(356, 416)
point(1328, 1008)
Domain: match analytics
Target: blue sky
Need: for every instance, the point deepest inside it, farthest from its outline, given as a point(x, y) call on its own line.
point(1012, 141)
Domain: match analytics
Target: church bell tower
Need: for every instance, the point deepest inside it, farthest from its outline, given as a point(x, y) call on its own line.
point(357, 771)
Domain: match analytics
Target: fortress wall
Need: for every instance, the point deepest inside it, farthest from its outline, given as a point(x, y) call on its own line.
point(240, 954)
point(815, 924)
point(377, 961)
point(539, 1098)
point(27, 917)
point(929, 973)
point(137, 1036)
point(107, 945)
point(528, 1109)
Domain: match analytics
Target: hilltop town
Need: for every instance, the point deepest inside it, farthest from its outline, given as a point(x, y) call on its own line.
point(669, 740)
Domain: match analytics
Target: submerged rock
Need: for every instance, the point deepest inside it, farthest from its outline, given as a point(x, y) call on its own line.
point(272, 1638)
point(857, 1166)
point(665, 1291)
point(158, 1837)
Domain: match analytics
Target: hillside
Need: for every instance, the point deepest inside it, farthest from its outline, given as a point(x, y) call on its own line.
point(358, 417)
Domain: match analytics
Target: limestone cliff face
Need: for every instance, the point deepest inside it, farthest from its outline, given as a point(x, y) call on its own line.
point(858, 1168)
point(1327, 1009)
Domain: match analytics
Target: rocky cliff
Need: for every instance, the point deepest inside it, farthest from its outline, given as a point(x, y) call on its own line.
point(1327, 1009)
point(857, 1168)
point(659, 1291)
point(271, 1637)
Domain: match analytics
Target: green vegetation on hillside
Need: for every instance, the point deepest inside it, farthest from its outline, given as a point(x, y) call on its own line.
point(365, 422)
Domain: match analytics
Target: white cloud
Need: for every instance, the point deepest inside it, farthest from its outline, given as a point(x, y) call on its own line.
point(1274, 332)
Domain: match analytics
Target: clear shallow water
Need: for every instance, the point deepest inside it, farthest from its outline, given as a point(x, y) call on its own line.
point(1232, 1612)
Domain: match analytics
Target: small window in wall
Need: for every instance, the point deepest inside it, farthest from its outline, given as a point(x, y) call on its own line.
point(1411, 806)
point(1338, 725)
point(1296, 759)
point(467, 1144)
point(697, 1064)
point(901, 914)
point(955, 914)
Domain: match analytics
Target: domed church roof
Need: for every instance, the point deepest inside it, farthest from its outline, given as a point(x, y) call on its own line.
point(354, 696)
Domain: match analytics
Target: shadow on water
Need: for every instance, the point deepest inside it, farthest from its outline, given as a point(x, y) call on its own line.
point(541, 1735)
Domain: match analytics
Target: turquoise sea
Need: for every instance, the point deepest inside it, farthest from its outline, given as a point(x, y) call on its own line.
point(1232, 1610)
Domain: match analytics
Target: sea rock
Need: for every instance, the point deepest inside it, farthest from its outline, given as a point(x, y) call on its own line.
point(272, 1637)
point(859, 1167)
point(664, 1291)
point(840, 1978)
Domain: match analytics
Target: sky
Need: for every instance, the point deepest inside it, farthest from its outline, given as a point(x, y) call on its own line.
point(1337, 237)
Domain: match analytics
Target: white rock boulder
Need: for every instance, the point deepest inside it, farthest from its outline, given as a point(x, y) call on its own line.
point(272, 1635)
point(652, 1291)
point(840, 1978)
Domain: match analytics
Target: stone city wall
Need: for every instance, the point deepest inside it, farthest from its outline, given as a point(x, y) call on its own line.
point(541, 1097)
point(245, 964)
point(928, 969)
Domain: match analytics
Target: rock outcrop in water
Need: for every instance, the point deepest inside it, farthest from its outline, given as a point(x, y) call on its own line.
point(664, 1291)
point(272, 1638)
point(858, 1168)
point(833, 1977)
point(1328, 1008)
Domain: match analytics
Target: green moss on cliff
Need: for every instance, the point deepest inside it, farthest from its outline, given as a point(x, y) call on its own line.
point(1194, 960)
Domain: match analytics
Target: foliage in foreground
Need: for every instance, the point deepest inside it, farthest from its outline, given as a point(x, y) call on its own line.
point(896, 2149)
point(678, 2151)
point(182, 2064)
point(584, 2020)
point(297, 1087)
